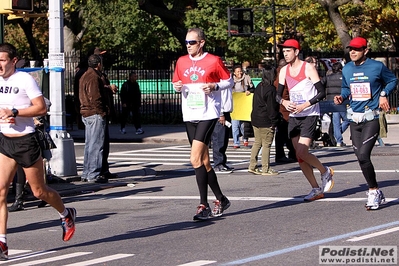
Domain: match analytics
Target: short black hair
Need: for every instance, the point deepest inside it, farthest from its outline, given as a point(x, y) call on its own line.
point(94, 60)
point(269, 74)
point(9, 49)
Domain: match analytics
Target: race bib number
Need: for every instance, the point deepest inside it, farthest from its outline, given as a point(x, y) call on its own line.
point(195, 95)
point(360, 91)
point(296, 97)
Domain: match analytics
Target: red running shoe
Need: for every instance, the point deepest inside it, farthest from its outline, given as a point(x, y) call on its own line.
point(3, 251)
point(68, 224)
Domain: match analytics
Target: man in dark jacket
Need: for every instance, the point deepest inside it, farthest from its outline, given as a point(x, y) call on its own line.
point(264, 119)
point(94, 111)
point(131, 102)
point(333, 88)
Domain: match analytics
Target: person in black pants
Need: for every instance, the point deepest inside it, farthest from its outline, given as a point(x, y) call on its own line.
point(220, 135)
point(282, 137)
point(131, 102)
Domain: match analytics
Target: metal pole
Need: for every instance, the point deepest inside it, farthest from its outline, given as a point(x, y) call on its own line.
point(63, 161)
point(1, 28)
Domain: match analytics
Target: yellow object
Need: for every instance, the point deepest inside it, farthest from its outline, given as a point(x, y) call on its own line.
point(242, 106)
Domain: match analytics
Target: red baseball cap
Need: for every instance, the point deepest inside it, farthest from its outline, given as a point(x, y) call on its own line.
point(291, 43)
point(358, 42)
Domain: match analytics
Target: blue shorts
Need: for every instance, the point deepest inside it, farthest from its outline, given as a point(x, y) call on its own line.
point(25, 150)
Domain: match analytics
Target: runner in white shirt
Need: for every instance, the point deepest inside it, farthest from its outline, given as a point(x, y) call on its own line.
point(20, 101)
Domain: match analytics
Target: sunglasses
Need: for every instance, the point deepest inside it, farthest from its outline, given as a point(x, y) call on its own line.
point(356, 49)
point(191, 42)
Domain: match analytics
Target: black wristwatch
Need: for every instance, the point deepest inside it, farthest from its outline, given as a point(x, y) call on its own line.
point(14, 112)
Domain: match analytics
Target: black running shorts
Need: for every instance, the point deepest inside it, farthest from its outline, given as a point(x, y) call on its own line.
point(302, 126)
point(201, 130)
point(24, 150)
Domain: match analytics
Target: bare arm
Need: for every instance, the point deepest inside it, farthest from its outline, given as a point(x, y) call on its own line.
point(38, 108)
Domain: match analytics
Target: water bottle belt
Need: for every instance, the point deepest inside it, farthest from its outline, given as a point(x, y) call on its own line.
point(361, 117)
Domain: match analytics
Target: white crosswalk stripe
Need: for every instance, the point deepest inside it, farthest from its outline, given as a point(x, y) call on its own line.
point(172, 155)
point(28, 258)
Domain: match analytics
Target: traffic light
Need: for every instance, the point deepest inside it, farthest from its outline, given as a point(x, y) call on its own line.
point(240, 21)
point(16, 5)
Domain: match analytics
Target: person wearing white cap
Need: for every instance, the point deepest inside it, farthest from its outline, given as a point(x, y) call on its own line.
point(305, 91)
point(367, 84)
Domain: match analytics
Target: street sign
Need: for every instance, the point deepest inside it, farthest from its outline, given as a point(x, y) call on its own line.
point(56, 60)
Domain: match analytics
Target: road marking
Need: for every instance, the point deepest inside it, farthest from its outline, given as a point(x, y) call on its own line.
point(273, 199)
point(198, 263)
point(100, 260)
point(62, 257)
point(387, 231)
point(310, 244)
point(13, 252)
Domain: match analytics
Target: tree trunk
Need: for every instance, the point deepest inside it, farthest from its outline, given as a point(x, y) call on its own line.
point(69, 39)
point(340, 26)
point(26, 26)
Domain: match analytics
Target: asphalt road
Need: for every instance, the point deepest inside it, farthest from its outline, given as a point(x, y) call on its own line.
point(267, 224)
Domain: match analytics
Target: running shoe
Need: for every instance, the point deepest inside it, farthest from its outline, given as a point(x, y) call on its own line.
point(3, 251)
point(315, 194)
point(246, 143)
point(327, 180)
point(255, 171)
point(68, 224)
point(375, 199)
point(222, 170)
point(203, 213)
point(270, 172)
point(139, 131)
point(220, 206)
point(123, 131)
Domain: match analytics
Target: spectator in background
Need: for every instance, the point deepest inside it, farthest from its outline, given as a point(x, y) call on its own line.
point(94, 110)
point(333, 83)
point(242, 83)
point(264, 118)
point(109, 91)
point(131, 102)
point(383, 129)
point(220, 135)
point(282, 137)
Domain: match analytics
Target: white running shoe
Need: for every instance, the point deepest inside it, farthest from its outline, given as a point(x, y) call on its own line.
point(375, 199)
point(327, 182)
point(315, 194)
point(123, 131)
